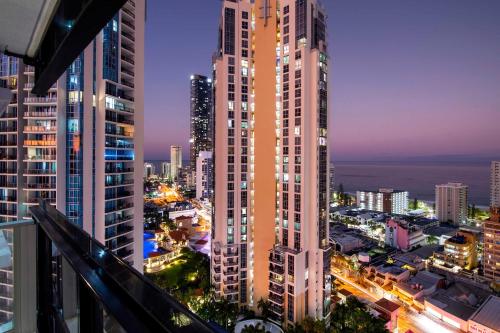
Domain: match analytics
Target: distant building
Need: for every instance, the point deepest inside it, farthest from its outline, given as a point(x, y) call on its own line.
point(495, 184)
point(332, 181)
point(385, 200)
point(204, 175)
point(459, 252)
point(201, 117)
point(491, 256)
point(175, 161)
point(451, 203)
point(149, 170)
point(165, 169)
point(403, 235)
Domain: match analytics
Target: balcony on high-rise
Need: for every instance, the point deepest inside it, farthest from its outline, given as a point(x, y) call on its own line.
point(69, 282)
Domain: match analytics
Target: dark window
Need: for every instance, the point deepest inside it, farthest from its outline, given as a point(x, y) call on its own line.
point(244, 15)
point(229, 28)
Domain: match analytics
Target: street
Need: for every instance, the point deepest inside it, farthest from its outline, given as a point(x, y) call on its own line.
point(408, 319)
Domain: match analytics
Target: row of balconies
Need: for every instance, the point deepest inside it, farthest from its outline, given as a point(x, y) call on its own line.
point(118, 220)
point(118, 231)
point(48, 157)
point(119, 195)
point(119, 206)
point(40, 114)
point(40, 100)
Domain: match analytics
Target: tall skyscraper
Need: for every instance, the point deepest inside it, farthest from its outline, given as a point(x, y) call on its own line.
point(204, 176)
point(451, 203)
point(270, 237)
point(495, 184)
point(201, 117)
point(175, 162)
point(80, 146)
point(165, 169)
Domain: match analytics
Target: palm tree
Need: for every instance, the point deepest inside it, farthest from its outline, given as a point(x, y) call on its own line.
point(254, 329)
point(265, 309)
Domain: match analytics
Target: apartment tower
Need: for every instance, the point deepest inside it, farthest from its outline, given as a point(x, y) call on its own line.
point(491, 229)
point(495, 184)
point(175, 162)
point(270, 237)
point(80, 146)
point(451, 203)
point(201, 126)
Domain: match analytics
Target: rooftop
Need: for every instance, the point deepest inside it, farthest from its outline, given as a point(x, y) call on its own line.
point(459, 299)
point(387, 305)
point(487, 314)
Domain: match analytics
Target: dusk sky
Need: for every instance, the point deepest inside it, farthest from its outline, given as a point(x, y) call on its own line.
point(407, 78)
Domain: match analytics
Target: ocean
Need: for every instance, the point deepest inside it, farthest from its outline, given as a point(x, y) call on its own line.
point(419, 178)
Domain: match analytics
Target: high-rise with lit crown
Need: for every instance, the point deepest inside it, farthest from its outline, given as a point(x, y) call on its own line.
point(80, 146)
point(201, 124)
point(270, 236)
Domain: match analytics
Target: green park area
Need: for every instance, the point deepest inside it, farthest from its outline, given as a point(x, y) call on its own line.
point(185, 277)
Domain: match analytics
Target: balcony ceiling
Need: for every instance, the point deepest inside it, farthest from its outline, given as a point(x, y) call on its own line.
point(23, 24)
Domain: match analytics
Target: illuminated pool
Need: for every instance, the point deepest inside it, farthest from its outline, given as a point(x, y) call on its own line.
point(150, 245)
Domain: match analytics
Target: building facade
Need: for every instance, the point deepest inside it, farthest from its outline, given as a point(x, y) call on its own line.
point(271, 168)
point(451, 203)
point(491, 247)
point(204, 176)
point(495, 184)
point(175, 162)
point(149, 170)
point(165, 170)
point(385, 200)
point(80, 146)
point(201, 125)
point(459, 252)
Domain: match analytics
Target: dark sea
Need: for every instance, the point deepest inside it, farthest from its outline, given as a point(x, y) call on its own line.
point(419, 178)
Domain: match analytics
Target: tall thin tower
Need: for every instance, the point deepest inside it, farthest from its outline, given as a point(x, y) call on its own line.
point(201, 117)
point(275, 154)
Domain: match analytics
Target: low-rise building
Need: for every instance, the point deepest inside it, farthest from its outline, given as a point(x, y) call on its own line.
point(382, 278)
point(388, 311)
point(402, 235)
point(413, 291)
point(408, 260)
point(487, 318)
point(455, 304)
point(458, 252)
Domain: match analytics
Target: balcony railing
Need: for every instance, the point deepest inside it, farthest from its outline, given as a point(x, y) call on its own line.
point(40, 100)
point(84, 287)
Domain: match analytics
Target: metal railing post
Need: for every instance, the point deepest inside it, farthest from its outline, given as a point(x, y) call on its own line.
point(44, 281)
point(90, 310)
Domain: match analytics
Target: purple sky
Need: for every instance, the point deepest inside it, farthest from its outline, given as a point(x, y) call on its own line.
point(407, 77)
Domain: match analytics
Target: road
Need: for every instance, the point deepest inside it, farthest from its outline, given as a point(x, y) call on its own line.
point(408, 319)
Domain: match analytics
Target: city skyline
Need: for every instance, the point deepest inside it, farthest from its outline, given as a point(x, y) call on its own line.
point(423, 63)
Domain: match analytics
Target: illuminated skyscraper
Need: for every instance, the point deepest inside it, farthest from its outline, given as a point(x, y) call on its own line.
point(201, 125)
point(451, 203)
point(175, 162)
point(80, 146)
point(270, 237)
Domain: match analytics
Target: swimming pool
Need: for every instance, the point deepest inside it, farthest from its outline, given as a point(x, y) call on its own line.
point(150, 245)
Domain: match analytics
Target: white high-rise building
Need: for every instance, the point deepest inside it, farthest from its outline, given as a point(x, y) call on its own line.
point(204, 175)
point(165, 169)
point(80, 146)
point(451, 203)
point(175, 161)
point(385, 200)
point(495, 184)
point(149, 170)
point(270, 239)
